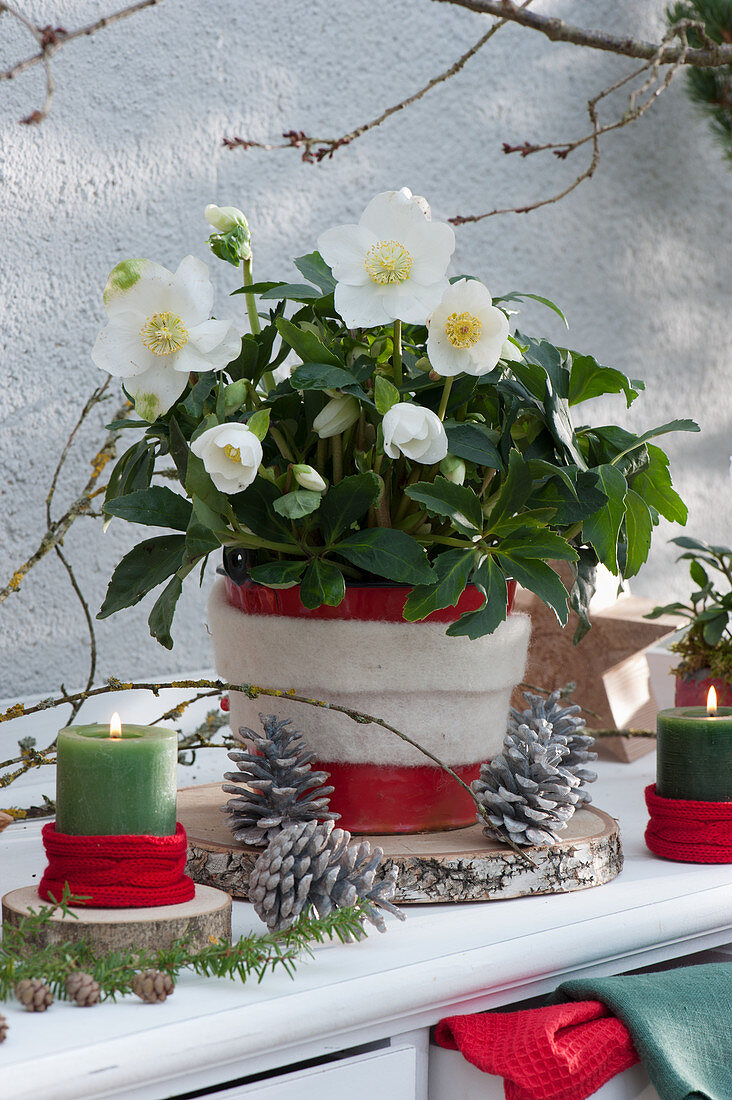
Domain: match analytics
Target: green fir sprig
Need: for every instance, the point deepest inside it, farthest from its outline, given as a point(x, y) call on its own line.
point(253, 955)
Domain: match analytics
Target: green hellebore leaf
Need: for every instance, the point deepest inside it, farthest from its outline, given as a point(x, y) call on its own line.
point(255, 508)
point(582, 591)
point(664, 429)
point(588, 379)
point(453, 570)
point(544, 545)
point(602, 528)
point(199, 395)
point(513, 494)
point(654, 485)
point(519, 295)
point(306, 344)
point(347, 502)
point(457, 502)
point(638, 531)
point(387, 553)
point(490, 579)
point(145, 567)
point(313, 267)
point(293, 292)
point(258, 423)
point(385, 394)
point(540, 579)
point(278, 574)
point(178, 448)
point(472, 442)
point(157, 506)
point(323, 583)
point(161, 615)
point(299, 503)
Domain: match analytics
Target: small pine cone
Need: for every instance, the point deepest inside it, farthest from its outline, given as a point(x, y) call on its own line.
point(33, 994)
point(311, 865)
point(152, 986)
point(82, 988)
point(3, 1029)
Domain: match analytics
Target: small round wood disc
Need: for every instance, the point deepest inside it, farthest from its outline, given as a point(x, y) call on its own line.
point(207, 914)
point(457, 865)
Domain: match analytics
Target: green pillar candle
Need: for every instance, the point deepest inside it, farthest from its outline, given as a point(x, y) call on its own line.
point(114, 786)
point(694, 754)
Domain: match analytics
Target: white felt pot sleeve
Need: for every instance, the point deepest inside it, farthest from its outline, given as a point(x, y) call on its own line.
point(450, 694)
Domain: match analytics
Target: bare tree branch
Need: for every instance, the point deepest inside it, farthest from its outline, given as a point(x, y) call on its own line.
point(637, 106)
point(57, 530)
point(33, 758)
point(317, 149)
point(50, 40)
point(556, 30)
point(95, 398)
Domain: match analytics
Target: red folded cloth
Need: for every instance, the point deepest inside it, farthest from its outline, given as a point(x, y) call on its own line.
point(563, 1052)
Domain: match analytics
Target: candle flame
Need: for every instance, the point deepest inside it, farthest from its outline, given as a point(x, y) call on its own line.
point(711, 702)
point(115, 726)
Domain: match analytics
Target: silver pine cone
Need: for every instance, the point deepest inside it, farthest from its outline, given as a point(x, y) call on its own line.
point(527, 793)
point(312, 866)
point(567, 727)
point(275, 785)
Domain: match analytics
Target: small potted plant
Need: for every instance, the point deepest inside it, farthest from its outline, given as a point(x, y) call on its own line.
point(706, 645)
point(378, 503)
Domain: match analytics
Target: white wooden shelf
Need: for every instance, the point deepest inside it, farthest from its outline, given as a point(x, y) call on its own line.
point(441, 961)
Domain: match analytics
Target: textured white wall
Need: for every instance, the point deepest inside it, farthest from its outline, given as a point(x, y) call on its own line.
point(640, 257)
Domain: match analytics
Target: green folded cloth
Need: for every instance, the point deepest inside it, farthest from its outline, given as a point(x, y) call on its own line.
point(680, 1021)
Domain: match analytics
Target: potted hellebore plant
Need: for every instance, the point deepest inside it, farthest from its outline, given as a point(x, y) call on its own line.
point(378, 504)
point(706, 646)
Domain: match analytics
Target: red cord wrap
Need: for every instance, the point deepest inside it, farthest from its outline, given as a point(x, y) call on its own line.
point(689, 831)
point(117, 872)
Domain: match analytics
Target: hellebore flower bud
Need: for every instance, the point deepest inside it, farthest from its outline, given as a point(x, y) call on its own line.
point(224, 218)
point(453, 469)
point(309, 478)
point(338, 414)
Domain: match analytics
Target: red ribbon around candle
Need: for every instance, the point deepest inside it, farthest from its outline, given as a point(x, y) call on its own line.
point(117, 872)
point(687, 830)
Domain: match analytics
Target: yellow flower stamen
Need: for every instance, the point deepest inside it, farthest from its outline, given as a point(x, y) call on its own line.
point(164, 333)
point(388, 262)
point(463, 329)
point(232, 452)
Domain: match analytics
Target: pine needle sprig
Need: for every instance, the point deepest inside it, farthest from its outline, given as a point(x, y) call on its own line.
point(252, 955)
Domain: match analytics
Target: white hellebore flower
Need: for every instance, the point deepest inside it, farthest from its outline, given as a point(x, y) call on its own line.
point(391, 266)
point(415, 432)
point(224, 218)
point(466, 331)
point(336, 416)
point(309, 478)
point(231, 454)
point(159, 330)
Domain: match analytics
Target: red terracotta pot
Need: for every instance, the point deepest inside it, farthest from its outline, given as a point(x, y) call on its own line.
point(693, 692)
point(371, 797)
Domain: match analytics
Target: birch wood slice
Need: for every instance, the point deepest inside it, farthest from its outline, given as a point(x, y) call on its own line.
point(459, 865)
point(207, 914)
